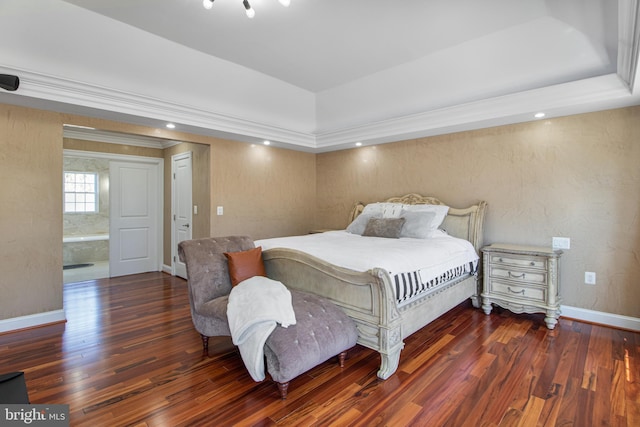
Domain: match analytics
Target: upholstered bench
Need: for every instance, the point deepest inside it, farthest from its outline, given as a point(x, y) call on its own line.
point(322, 331)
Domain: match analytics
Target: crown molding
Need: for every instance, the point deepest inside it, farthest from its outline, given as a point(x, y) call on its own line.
point(629, 42)
point(74, 93)
point(598, 93)
point(90, 134)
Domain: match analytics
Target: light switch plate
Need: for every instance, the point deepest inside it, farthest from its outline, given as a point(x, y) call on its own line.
point(589, 278)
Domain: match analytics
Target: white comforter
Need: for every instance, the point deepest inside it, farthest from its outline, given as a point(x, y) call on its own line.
point(431, 257)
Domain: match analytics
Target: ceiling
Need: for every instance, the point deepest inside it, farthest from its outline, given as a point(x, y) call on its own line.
point(321, 75)
point(320, 44)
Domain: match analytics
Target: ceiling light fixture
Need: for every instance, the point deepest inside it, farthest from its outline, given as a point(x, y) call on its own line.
point(170, 126)
point(208, 4)
point(539, 115)
point(266, 142)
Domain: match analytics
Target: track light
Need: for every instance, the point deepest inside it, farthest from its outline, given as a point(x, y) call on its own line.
point(208, 4)
point(9, 82)
point(247, 7)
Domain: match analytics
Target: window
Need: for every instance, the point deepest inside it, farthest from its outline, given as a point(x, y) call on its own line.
point(80, 192)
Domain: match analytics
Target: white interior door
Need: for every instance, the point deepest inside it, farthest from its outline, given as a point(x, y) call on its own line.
point(135, 214)
point(182, 213)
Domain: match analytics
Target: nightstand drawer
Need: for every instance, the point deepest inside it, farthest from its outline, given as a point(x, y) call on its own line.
point(517, 291)
point(533, 277)
point(516, 261)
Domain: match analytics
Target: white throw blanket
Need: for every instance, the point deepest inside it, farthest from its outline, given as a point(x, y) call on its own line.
point(255, 307)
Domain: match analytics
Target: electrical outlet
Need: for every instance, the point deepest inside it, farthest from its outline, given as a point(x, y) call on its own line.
point(589, 278)
point(220, 210)
point(561, 243)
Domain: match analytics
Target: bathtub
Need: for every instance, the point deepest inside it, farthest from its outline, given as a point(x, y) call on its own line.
point(85, 248)
point(85, 238)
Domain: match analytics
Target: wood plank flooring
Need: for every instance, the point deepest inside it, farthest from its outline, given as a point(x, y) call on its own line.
point(129, 355)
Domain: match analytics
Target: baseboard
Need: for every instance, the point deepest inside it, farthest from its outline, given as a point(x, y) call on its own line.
point(32, 320)
point(608, 319)
point(167, 269)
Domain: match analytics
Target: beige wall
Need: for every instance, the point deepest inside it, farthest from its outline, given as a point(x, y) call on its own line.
point(576, 176)
point(30, 212)
point(120, 149)
point(265, 191)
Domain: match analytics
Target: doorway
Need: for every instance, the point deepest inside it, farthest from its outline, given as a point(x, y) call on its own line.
point(126, 231)
point(135, 216)
point(181, 207)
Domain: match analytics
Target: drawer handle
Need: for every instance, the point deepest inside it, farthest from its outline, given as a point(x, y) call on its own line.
point(518, 292)
point(500, 259)
point(516, 276)
point(533, 263)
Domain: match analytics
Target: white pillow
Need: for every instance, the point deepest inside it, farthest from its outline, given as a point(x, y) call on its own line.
point(385, 210)
point(439, 210)
point(358, 225)
point(417, 225)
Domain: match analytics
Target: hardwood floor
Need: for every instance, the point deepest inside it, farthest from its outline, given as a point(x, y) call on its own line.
point(129, 355)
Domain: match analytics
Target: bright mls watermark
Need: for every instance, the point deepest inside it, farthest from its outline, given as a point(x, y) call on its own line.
point(34, 415)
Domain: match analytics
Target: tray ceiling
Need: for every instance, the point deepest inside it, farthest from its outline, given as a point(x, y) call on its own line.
point(322, 75)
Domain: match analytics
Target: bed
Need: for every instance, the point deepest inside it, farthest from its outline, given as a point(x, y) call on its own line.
point(385, 309)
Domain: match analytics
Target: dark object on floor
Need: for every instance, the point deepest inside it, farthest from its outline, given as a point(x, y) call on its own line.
point(13, 388)
point(71, 266)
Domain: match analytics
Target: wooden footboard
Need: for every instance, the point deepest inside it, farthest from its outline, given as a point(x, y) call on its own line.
point(366, 297)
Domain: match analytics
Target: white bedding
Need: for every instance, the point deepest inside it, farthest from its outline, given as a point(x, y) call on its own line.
point(429, 257)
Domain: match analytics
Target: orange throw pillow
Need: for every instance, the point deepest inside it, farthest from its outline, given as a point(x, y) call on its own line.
point(245, 264)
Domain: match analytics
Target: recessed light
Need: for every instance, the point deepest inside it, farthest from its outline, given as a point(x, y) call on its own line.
point(170, 126)
point(267, 142)
point(539, 115)
point(358, 144)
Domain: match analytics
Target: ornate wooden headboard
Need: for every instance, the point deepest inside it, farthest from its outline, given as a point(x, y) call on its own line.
point(464, 223)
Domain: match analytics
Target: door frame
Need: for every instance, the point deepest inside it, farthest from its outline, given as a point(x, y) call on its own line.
point(174, 231)
point(160, 185)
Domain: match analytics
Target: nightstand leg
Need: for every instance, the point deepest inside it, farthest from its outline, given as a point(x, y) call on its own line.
point(552, 318)
point(486, 305)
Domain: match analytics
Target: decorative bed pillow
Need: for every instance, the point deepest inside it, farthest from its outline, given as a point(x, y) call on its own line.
point(384, 227)
point(439, 210)
point(417, 225)
point(383, 209)
point(358, 225)
point(245, 264)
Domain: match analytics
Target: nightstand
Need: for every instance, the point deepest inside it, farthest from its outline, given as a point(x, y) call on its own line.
point(522, 279)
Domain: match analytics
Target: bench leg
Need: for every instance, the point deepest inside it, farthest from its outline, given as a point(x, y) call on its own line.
point(283, 387)
point(205, 343)
point(341, 357)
